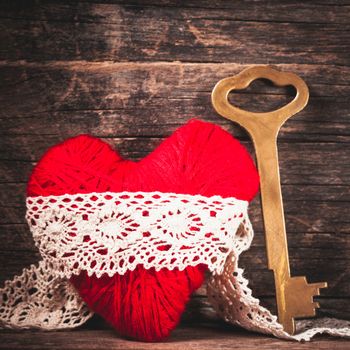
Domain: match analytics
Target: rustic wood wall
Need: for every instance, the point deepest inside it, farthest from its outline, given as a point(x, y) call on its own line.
point(132, 72)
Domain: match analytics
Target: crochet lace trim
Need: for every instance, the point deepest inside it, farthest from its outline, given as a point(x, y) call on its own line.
point(114, 232)
point(39, 298)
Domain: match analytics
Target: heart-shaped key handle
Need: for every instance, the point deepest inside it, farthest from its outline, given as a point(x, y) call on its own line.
point(250, 120)
point(294, 295)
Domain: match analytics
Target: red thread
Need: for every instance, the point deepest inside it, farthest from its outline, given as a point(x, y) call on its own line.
point(199, 158)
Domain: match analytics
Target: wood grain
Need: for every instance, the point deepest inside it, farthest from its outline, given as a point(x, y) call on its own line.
point(198, 337)
point(143, 32)
point(131, 72)
point(105, 99)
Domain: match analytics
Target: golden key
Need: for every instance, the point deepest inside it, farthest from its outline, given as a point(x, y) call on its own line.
point(294, 295)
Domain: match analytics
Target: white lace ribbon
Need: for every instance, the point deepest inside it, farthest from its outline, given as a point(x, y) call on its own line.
point(108, 233)
point(40, 298)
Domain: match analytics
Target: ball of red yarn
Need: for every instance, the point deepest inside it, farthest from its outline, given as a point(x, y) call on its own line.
point(199, 158)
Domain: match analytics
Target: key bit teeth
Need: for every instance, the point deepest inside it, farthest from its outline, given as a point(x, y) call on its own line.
point(316, 305)
point(322, 285)
point(319, 285)
point(315, 288)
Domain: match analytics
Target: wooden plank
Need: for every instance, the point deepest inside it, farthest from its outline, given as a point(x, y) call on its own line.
point(300, 163)
point(92, 11)
point(203, 336)
point(159, 78)
point(171, 79)
point(123, 33)
point(15, 171)
point(107, 99)
point(13, 262)
point(166, 115)
point(14, 194)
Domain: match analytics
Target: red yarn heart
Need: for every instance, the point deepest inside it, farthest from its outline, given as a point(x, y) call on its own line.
point(199, 158)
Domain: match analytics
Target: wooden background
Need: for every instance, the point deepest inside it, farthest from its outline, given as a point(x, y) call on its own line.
point(132, 72)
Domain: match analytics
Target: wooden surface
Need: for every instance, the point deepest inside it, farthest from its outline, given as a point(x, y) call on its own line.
point(200, 337)
point(132, 72)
